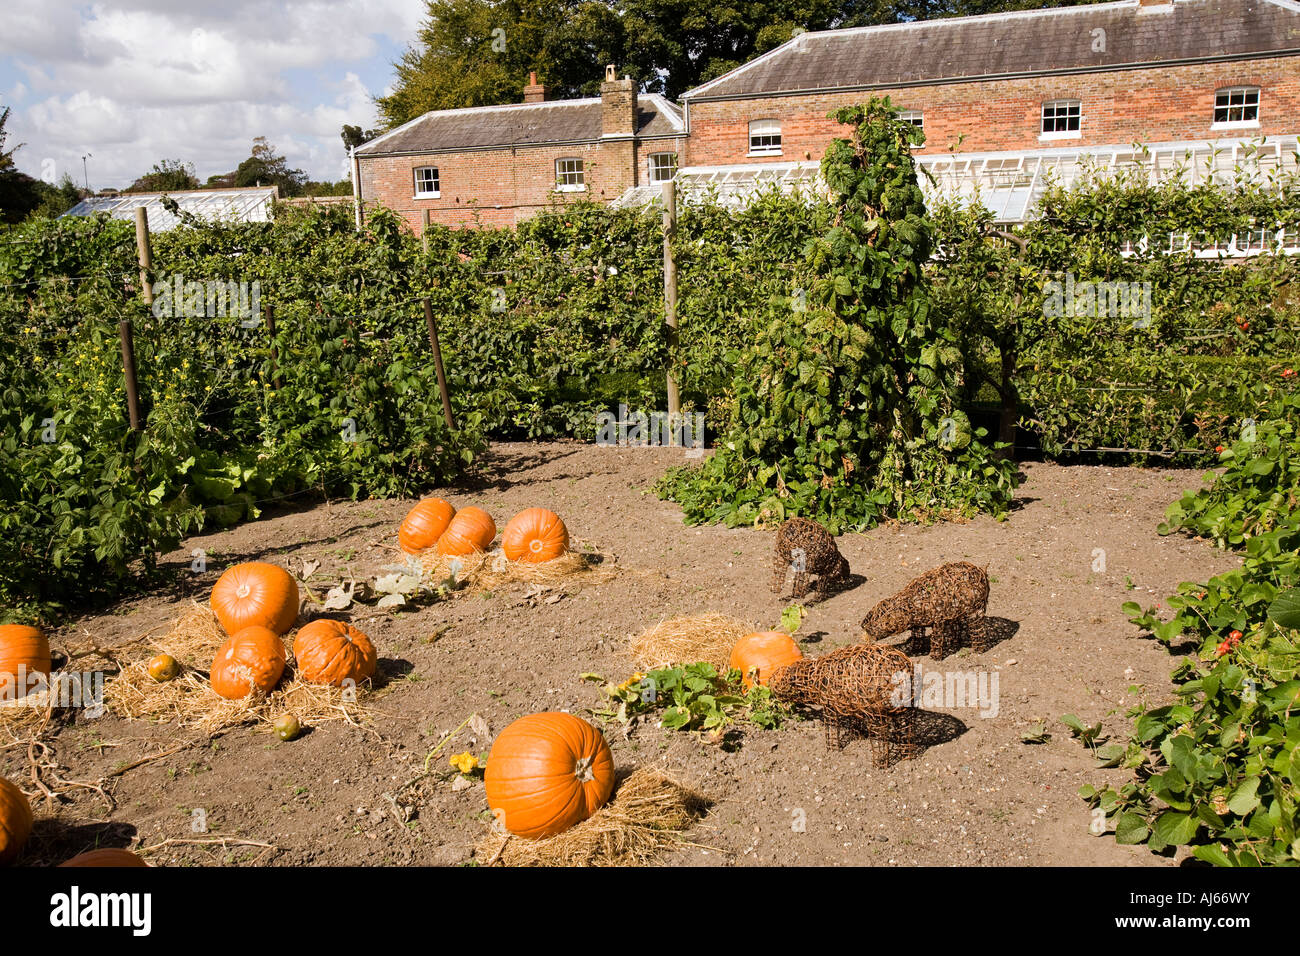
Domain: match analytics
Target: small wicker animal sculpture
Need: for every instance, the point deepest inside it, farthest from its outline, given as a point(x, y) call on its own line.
point(808, 548)
point(942, 604)
point(857, 689)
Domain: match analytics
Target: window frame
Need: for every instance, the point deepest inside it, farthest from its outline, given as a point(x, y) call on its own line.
point(1246, 92)
point(434, 193)
point(765, 129)
point(1071, 108)
point(650, 166)
point(580, 185)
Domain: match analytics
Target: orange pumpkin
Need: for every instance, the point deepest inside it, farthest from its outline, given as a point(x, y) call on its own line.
point(15, 821)
point(535, 535)
point(108, 856)
point(424, 525)
point(255, 593)
point(764, 653)
point(251, 660)
point(331, 652)
point(24, 653)
point(547, 772)
point(471, 530)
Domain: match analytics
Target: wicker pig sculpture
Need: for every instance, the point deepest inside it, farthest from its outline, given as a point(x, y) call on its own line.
point(941, 604)
point(808, 548)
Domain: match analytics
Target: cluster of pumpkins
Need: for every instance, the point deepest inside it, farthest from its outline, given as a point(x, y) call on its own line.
point(547, 772)
point(256, 604)
point(533, 535)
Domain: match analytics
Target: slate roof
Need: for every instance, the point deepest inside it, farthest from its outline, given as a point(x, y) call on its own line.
point(1021, 43)
point(519, 124)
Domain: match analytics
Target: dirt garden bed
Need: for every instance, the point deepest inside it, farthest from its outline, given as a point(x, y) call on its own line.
point(344, 794)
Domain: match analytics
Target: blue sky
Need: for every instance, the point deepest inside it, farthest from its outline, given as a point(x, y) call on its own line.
point(135, 81)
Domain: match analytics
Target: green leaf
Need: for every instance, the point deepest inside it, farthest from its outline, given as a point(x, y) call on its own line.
point(1245, 797)
point(1285, 609)
point(1130, 828)
point(1174, 828)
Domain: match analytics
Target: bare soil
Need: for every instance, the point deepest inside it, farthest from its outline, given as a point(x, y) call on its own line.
point(977, 795)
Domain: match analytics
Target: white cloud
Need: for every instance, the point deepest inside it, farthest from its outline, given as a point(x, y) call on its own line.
point(136, 81)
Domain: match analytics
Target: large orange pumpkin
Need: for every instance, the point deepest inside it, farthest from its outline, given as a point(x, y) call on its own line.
point(424, 525)
point(764, 653)
point(24, 652)
point(255, 593)
point(471, 530)
point(535, 535)
point(547, 772)
point(15, 821)
point(251, 660)
point(331, 652)
point(108, 856)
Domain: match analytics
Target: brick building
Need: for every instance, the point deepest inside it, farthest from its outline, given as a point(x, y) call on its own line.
point(1003, 99)
point(498, 165)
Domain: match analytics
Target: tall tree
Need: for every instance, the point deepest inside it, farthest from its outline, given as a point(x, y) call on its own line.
point(265, 167)
point(480, 52)
point(354, 136)
point(19, 193)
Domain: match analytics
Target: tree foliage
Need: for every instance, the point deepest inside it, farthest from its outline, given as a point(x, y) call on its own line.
point(169, 175)
point(265, 167)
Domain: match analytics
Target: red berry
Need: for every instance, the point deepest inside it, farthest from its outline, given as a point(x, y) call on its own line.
point(1222, 649)
point(1219, 449)
point(1234, 636)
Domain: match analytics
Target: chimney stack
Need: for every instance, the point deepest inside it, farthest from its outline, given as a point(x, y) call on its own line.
point(617, 105)
point(534, 92)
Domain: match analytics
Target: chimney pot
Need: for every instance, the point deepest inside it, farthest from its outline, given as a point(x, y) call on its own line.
point(611, 72)
point(534, 92)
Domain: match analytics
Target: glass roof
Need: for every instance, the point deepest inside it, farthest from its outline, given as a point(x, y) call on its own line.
point(213, 205)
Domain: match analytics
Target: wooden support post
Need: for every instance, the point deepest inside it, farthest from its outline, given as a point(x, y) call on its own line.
point(269, 311)
point(356, 189)
point(128, 367)
point(670, 293)
point(437, 363)
point(144, 252)
point(424, 231)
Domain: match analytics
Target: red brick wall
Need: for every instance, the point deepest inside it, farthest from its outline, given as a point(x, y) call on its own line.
point(1121, 107)
point(505, 186)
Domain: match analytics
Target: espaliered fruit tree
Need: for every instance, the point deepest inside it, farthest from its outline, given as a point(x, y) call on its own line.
point(846, 405)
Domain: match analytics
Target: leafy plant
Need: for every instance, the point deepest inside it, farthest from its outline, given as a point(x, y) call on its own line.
point(692, 697)
point(845, 401)
point(1218, 769)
